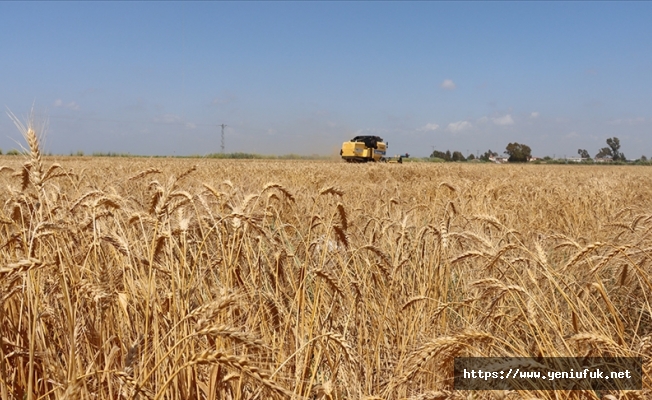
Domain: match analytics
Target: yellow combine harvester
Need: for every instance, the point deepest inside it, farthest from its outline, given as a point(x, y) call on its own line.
point(364, 149)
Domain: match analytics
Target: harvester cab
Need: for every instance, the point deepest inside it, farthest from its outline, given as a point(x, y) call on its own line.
point(364, 149)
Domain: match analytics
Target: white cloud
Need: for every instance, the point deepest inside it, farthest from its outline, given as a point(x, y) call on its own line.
point(71, 106)
point(627, 121)
point(506, 120)
point(190, 125)
point(571, 135)
point(534, 114)
point(458, 126)
point(448, 84)
point(429, 127)
point(168, 119)
point(224, 99)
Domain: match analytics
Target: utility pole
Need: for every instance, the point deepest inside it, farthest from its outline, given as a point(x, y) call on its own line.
point(222, 146)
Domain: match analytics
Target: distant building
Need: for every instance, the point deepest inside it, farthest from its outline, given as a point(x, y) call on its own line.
point(604, 159)
point(499, 159)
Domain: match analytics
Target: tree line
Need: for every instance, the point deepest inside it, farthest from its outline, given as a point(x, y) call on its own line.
point(518, 152)
point(612, 151)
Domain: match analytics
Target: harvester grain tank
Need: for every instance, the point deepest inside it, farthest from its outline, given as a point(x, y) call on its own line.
point(364, 149)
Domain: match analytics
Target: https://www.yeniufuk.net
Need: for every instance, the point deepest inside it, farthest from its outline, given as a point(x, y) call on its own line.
point(548, 373)
point(551, 375)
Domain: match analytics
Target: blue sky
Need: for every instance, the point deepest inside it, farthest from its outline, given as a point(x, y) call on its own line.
point(302, 77)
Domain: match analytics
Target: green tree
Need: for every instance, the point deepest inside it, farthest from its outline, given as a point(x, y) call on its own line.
point(458, 156)
point(471, 157)
point(604, 152)
point(438, 154)
point(518, 152)
point(449, 157)
point(613, 150)
point(487, 154)
point(583, 153)
point(614, 144)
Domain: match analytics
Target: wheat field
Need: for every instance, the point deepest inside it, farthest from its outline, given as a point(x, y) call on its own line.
point(215, 279)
